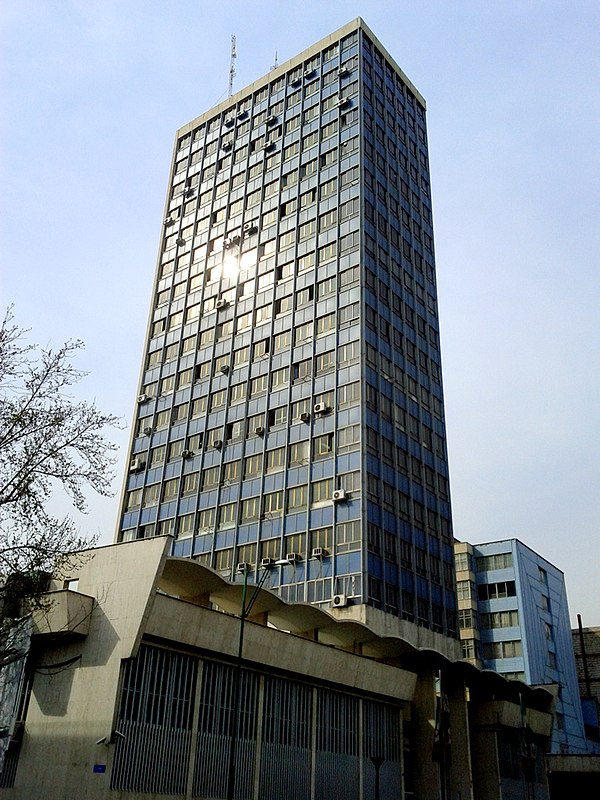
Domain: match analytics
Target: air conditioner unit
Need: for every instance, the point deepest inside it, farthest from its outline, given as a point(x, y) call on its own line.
point(137, 464)
point(169, 221)
point(143, 398)
point(296, 82)
point(259, 430)
point(229, 122)
point(243, 566)
point(308, 73)
point(220, 304)
point(267, 563)
point(321, 408)
point(293, 558)
point(343, 71)
point(272, 119)
point(224, 369)
point(343, 101)
point(269, 146)
point(188, 190)
point(242, 114)
point(339, 600)
point(217, 444)
point(305, 416)
point(339, 495)
point(250, 227)
point(147, 431)
point(227, 146)
point(319, 552)
point(180, 241)
point(187, 454)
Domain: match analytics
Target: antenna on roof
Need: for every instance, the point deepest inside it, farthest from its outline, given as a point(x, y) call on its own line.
point(276, 64)
point(232, 64)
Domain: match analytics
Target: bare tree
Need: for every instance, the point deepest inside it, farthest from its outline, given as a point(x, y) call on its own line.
point(49, 443)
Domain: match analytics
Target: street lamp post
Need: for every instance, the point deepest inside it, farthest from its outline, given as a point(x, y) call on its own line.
point(246, 607)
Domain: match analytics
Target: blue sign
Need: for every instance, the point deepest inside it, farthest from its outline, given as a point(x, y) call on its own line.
point(99, 767)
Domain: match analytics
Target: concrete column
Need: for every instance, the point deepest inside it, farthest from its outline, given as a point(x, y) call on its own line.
point(486, 773)
point(461, 775)
point(425, 770)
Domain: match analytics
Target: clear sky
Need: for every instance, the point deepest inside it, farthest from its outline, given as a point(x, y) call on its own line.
point(92, 93)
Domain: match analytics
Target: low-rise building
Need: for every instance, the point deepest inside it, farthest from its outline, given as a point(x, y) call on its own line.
point(144, 676)
point(514, 619)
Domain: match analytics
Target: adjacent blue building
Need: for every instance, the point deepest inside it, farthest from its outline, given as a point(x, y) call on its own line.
point(520, 617)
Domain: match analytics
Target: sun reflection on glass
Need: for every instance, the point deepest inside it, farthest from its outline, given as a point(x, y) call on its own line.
point(231, 265)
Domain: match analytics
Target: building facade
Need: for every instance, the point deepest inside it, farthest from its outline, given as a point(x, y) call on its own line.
point(514, 619)
point(290, 403)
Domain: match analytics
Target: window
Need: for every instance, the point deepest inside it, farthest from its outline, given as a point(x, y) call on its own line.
point(282, 341)
point(348, 438)
point(275, 459)
point(224, 560)
point(171, 489)
point(462, 562)
point(277, 416)
point(464, 590)
point(241, 356)
point(210, 477)
point(162, 419)
point(301, 370)
point(326, 287)
point(206, 519)
point(186, 525)
point(283, 305)
point(320, 491)
point(298, 453)
point(199, 407)
point(303, 333)
point(253, 465)
point(134, 499)
point(325, 362)
point(231, 471)
point(157, 455)
point(322, 446)
point(272, 502)
point(496, 561)
point(469, 648)
point(175, 449)
point(325, 323)
point(218, 399)
point(234, 430)
point(296, 497)
point(304, 297)
point(227, 515)
point(493, 591)
point(259, 385)
point(190, 483)
point(280, 377)
point(237, 392)
point(467, 618)
point(500, 619)
point(493, 650)
point(347, 537)
point(250, 509)
point(348, 395)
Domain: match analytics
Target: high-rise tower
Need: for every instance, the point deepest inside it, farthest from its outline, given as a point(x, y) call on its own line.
point(290, 403)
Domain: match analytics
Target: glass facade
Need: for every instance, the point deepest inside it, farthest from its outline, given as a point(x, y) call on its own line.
point(290, 406)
